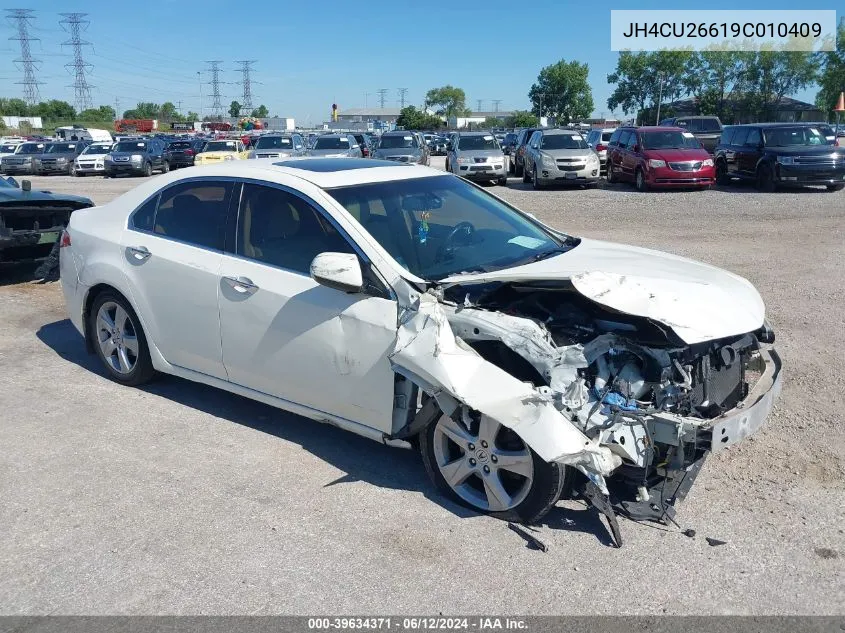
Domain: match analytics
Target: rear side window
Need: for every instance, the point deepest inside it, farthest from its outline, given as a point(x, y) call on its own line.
point(625, 137)
point(754, 138)
point(739, 136)
point(710, 125)
point(727, 134)
point(693, 125)
point(195, 213)
point(614, 138)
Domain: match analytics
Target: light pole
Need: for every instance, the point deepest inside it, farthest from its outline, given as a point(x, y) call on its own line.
point(659, 99)
point(199, 79)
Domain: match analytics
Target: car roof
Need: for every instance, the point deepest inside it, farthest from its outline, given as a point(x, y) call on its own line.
point(482, 133)
point(769, 125)
point(653, 128)
point(562, 131)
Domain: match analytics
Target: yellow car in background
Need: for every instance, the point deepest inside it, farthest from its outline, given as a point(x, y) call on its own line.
point(217, 151)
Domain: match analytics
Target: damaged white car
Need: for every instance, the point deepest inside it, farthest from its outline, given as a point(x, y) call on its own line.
point(413, 307)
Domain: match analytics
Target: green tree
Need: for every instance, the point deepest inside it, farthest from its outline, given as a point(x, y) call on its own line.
point(645, 78)
point(448, 100)
point(492, 122)
point(14, 107)
point(235, 109)
point(832, 77)
point(261, 112)
point(521, 118)
point(192, 116)
point(103, 113)
point(143, 110)
point(772, 74)
point(54, 109)
point(168, 112)
point(563, 91)
point(412, 119)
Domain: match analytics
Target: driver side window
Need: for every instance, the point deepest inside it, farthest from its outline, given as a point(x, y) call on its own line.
point(281, 229)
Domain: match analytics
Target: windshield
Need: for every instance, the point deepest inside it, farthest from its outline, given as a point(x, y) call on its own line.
point(97, 149)
point(179, 145)
point(61, 148)
point(332, 142)
point(274, 142)
point(488, 141)
point(669, 139)
point(220, 146)
point(510, 138)
point(395, 141)
point(31, 148)
point(7, 149)
point(563, 141)
point(792, 136)
point(130, 146)
point(439, 226)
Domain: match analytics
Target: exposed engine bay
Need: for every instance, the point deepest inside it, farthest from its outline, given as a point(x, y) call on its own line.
point(646, 406)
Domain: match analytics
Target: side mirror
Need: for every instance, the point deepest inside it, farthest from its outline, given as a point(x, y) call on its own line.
point(26, 185)
point(341, 271)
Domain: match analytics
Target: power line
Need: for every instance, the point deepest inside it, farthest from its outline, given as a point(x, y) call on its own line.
point(496, 103)
point(26, 61)
point(402, 93)
point(214, 69)
point(246, 67)
point(74, 24)
point(382, 95)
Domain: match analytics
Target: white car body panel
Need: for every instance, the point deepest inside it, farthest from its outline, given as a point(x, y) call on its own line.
point(698, 301)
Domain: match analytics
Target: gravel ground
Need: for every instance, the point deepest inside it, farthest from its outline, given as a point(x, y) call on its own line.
point(181, 499)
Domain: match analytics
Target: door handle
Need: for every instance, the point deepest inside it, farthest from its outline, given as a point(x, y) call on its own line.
point(139, 252)
point(243, 285)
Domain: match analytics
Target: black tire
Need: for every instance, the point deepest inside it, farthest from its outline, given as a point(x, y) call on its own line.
point(835, 187)
point(143, 370)
point(549, 482)
point(765, 179)
point(535, 182)
point(503, 181)
point(148, 169)
point(519, 170)
point(447, 166)
point(722, 177)
point(526, 177)
point(639, 181)
point(511, 165)
point(165, 167)
point(609, 174)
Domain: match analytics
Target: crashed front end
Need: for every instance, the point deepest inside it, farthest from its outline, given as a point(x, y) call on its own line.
point(30, 228)
point(617, 396)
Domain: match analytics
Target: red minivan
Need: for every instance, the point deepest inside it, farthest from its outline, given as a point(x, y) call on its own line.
point(658, 157)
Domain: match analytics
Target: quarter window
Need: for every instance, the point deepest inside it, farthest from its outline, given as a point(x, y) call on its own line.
point(739, 136)
point(195, 212)
point(754, 138)
point(623, 138)
point(281, 229)
point(144, 217)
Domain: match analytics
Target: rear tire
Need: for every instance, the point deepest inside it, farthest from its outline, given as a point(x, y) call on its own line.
point(148, 170)
point(609, 174)
point(503, 181)
point(527, 488)
point(519, 170)
point(165, 167)
point(118, 339)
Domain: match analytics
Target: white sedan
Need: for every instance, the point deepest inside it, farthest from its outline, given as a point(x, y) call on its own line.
point(415, 308)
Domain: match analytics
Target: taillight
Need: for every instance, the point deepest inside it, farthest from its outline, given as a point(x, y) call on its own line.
point(64, 240)
point(600, 147)
point(189, 152)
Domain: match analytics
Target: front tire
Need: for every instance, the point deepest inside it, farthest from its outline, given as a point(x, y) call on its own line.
point(148, 170)
point(609, 174)
point(488, 468)
point(765, 179)
point(165, 167)
point(640, 181)
point(722, 177)
point(503, 181)
point(119, 340)
point(519, 170)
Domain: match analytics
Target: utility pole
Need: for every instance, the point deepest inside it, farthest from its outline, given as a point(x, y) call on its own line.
point(659, 99)
point(199, 79)
point(117, 108)
point(74, 24)
point(214, 69)
point(402, 93)
point(496, 103)
point(366, 98)
point(26, 61)
point(246, 67)
point(478, 105)
point(382, 94)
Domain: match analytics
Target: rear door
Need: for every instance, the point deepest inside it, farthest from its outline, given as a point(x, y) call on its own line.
point(172, 252)
point(750, 153)
point(629, 156)
point(736, 150)
point(614, 152)
point(287, 336)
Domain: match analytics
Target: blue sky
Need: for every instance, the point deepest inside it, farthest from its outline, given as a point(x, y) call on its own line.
point(311, 54)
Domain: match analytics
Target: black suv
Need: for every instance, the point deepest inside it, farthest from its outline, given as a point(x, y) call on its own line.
point(517, 153)
point(707, 129)
point(779, 154)
point(138, 157)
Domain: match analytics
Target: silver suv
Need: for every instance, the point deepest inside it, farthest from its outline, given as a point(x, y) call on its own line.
point(598, 140)
point(560, 157)
point(336, 146)
point(477, 156)
point(402, 147)
point(277, 146)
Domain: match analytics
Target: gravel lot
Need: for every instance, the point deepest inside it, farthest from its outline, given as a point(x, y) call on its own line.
point(181, 499)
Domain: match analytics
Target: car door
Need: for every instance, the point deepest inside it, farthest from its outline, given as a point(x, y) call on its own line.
point(751, 153)
point(288, 336)
point(173, 249)
point(738, 148)
point(627, 158)
point(614, 154)
point(531, 151)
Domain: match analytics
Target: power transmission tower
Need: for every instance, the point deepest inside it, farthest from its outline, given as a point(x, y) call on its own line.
point(74, 24)
point(402, 93)
point(382, 94)
point(478, 103)
point(26, 61)
point(214, 69)
point(496, 103)
point(246, 68)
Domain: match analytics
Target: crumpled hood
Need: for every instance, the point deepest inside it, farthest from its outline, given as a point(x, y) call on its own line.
point(698, 301)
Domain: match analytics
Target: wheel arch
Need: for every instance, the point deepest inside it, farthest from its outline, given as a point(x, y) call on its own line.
point(91, 296)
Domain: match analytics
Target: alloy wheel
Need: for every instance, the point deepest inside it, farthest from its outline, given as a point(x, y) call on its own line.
point(487, 465)
point(117, 337)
